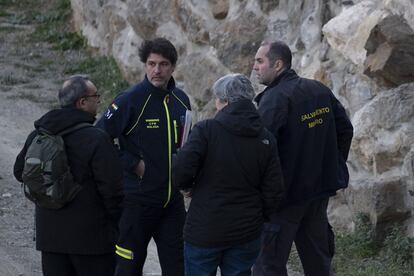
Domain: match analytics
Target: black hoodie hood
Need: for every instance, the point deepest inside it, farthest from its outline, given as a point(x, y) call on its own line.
point(60, 119)
point(240, 118)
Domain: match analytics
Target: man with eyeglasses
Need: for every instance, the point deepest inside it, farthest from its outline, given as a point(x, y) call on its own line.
point(79, 238)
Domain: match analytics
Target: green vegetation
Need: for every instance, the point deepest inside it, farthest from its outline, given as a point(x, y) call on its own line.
point(360, 254)
point(104, 73)
point(52, 21)
point(361, 243)
point(5, 3)
point(54, 27)
point(51, 18)
point(3, 13)
point(20, 11)
point(399, 249)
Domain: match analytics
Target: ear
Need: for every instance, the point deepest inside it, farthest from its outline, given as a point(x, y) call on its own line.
point(278, 65)
point(80, 103)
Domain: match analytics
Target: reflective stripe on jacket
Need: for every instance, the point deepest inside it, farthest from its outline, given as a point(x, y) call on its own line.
point(148, 122)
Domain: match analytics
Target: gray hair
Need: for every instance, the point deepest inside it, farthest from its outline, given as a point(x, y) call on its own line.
point(232, 88)
point(73, 89)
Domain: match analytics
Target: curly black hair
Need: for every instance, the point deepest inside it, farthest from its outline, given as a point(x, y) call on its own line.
point(159, 46)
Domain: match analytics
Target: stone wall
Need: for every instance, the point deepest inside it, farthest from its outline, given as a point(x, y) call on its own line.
point(363, 50)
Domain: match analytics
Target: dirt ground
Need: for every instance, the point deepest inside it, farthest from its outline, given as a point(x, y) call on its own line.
point(27, 89)
point(30, 76)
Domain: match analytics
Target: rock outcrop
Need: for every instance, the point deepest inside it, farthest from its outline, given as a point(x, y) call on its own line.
point(362, 49)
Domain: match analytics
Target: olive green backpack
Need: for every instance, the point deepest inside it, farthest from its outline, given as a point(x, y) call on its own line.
point(47, 180)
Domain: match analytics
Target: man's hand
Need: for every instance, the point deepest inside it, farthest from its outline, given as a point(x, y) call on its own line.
point(140, 168)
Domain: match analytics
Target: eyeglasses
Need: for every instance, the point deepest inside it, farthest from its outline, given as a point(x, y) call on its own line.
point(92, 96)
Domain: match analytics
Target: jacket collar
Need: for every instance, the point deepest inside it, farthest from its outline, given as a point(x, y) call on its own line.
point(285, 75)
point(160, 91)
point(59, 119)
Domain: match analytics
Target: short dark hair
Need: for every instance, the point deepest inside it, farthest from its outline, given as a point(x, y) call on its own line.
point(279, 50)
point(76, 87)
point(159, 46)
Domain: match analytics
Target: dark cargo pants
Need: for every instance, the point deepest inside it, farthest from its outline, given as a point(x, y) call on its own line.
point(140, 223)
point(305, 224)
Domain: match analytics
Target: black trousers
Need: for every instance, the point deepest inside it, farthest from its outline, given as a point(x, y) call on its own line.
point(307, 225)
point(138, 225)
point(77, 265)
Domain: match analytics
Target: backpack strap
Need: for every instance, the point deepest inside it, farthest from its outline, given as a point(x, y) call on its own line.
point(73, 128)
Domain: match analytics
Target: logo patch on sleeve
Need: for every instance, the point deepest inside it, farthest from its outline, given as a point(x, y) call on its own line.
point(108, 114)
point(110, 111)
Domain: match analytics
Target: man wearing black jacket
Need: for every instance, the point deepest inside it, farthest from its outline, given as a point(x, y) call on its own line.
point(231, 165)
point(79, 238)
point(314, 135)
point(148, 120)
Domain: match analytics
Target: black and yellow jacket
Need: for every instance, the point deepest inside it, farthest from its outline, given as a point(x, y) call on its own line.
point(148, 122)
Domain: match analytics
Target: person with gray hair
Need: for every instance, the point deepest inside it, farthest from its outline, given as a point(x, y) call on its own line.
point(79, 238)
point(232, 88)
point(75, 88)
point(231, 166)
